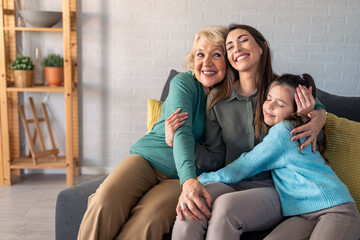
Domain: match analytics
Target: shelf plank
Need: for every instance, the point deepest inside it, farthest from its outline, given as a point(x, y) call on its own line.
point(36, 89)
point(42, 163)
point(33, 29)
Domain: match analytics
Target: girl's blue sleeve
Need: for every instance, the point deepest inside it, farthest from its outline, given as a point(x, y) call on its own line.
point(265, 156)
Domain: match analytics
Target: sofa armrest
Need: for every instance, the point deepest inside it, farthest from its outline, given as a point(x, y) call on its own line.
point(71, 205)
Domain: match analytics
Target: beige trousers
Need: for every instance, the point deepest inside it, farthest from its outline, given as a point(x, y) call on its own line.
point(341, 222)
point(134, 202)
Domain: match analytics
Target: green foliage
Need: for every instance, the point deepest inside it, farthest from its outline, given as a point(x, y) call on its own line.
point(53, 60)
point(22, 63)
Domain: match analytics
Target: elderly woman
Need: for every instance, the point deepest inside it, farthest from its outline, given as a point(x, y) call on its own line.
point(138, 199)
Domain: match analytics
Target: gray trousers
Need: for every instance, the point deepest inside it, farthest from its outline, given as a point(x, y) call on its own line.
point(335, 223)
point(246, 206)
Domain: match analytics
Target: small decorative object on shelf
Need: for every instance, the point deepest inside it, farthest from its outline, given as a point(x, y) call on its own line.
point(31, 137)
point(42, 19)
point(23, 71)
point(54, 70)
point(39, 69)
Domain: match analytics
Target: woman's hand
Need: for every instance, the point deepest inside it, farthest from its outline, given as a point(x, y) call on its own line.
point(191, 203)
point(305, 102)
point(172, 123)
point(310, 129)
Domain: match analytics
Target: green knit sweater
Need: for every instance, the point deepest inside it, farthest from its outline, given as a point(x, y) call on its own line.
point(178, 162)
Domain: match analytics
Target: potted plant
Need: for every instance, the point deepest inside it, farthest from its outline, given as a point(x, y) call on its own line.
point(23, 71)
point(54, 69)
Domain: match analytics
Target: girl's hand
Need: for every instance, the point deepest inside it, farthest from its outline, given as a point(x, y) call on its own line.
point(310, 129)
point(191, 201)
point(172, 123)
point(305, 102)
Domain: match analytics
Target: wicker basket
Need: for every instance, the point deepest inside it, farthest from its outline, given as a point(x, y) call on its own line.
point(23, 78)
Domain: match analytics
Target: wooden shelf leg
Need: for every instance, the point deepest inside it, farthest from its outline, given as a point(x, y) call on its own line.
point(77, 169)
point(69, 173)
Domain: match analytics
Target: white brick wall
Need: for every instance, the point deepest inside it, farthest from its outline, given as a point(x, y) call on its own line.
point(127, 48)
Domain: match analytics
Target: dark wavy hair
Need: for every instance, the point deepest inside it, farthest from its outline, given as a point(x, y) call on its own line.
point(292, 81)
point(265, 71)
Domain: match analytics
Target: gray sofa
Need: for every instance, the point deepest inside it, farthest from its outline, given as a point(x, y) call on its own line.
point(72, 202)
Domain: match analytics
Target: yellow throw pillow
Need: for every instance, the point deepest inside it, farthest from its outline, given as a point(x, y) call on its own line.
point(343, 152)
point(154, 112)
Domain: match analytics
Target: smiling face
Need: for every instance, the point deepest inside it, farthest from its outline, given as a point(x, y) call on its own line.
point(243, 51)
point(279, 104)
point(209, 63)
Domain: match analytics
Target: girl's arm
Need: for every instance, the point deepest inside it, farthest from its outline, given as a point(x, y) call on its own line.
point(265, 156)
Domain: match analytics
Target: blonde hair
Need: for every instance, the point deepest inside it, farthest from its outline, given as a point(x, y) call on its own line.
point(215, 35)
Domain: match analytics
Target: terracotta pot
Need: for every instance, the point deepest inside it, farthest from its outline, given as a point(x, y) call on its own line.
point(54, 76)
point(23, 78)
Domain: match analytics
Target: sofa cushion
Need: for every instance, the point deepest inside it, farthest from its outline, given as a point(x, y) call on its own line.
point(346, 107)
point(165, 91)
point(342, 140)
point(153, 112)
point(71, 205)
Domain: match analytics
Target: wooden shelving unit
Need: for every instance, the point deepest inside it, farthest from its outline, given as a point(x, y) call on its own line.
point(10, 158)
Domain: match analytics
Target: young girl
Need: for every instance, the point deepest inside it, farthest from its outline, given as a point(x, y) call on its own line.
point(321, 205)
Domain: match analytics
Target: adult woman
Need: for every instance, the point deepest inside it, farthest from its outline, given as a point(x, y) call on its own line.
point(230, 130)
point(137, 200)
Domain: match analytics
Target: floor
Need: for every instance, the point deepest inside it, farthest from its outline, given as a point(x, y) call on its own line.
point(27, 208)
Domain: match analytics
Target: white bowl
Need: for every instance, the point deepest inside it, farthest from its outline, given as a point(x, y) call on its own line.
point(41, 18)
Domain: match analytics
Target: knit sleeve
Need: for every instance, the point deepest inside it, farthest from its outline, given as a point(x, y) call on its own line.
point(183, 94)
point(267, 155)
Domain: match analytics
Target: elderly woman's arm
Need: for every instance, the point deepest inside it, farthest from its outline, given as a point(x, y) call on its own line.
point(185, 97)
